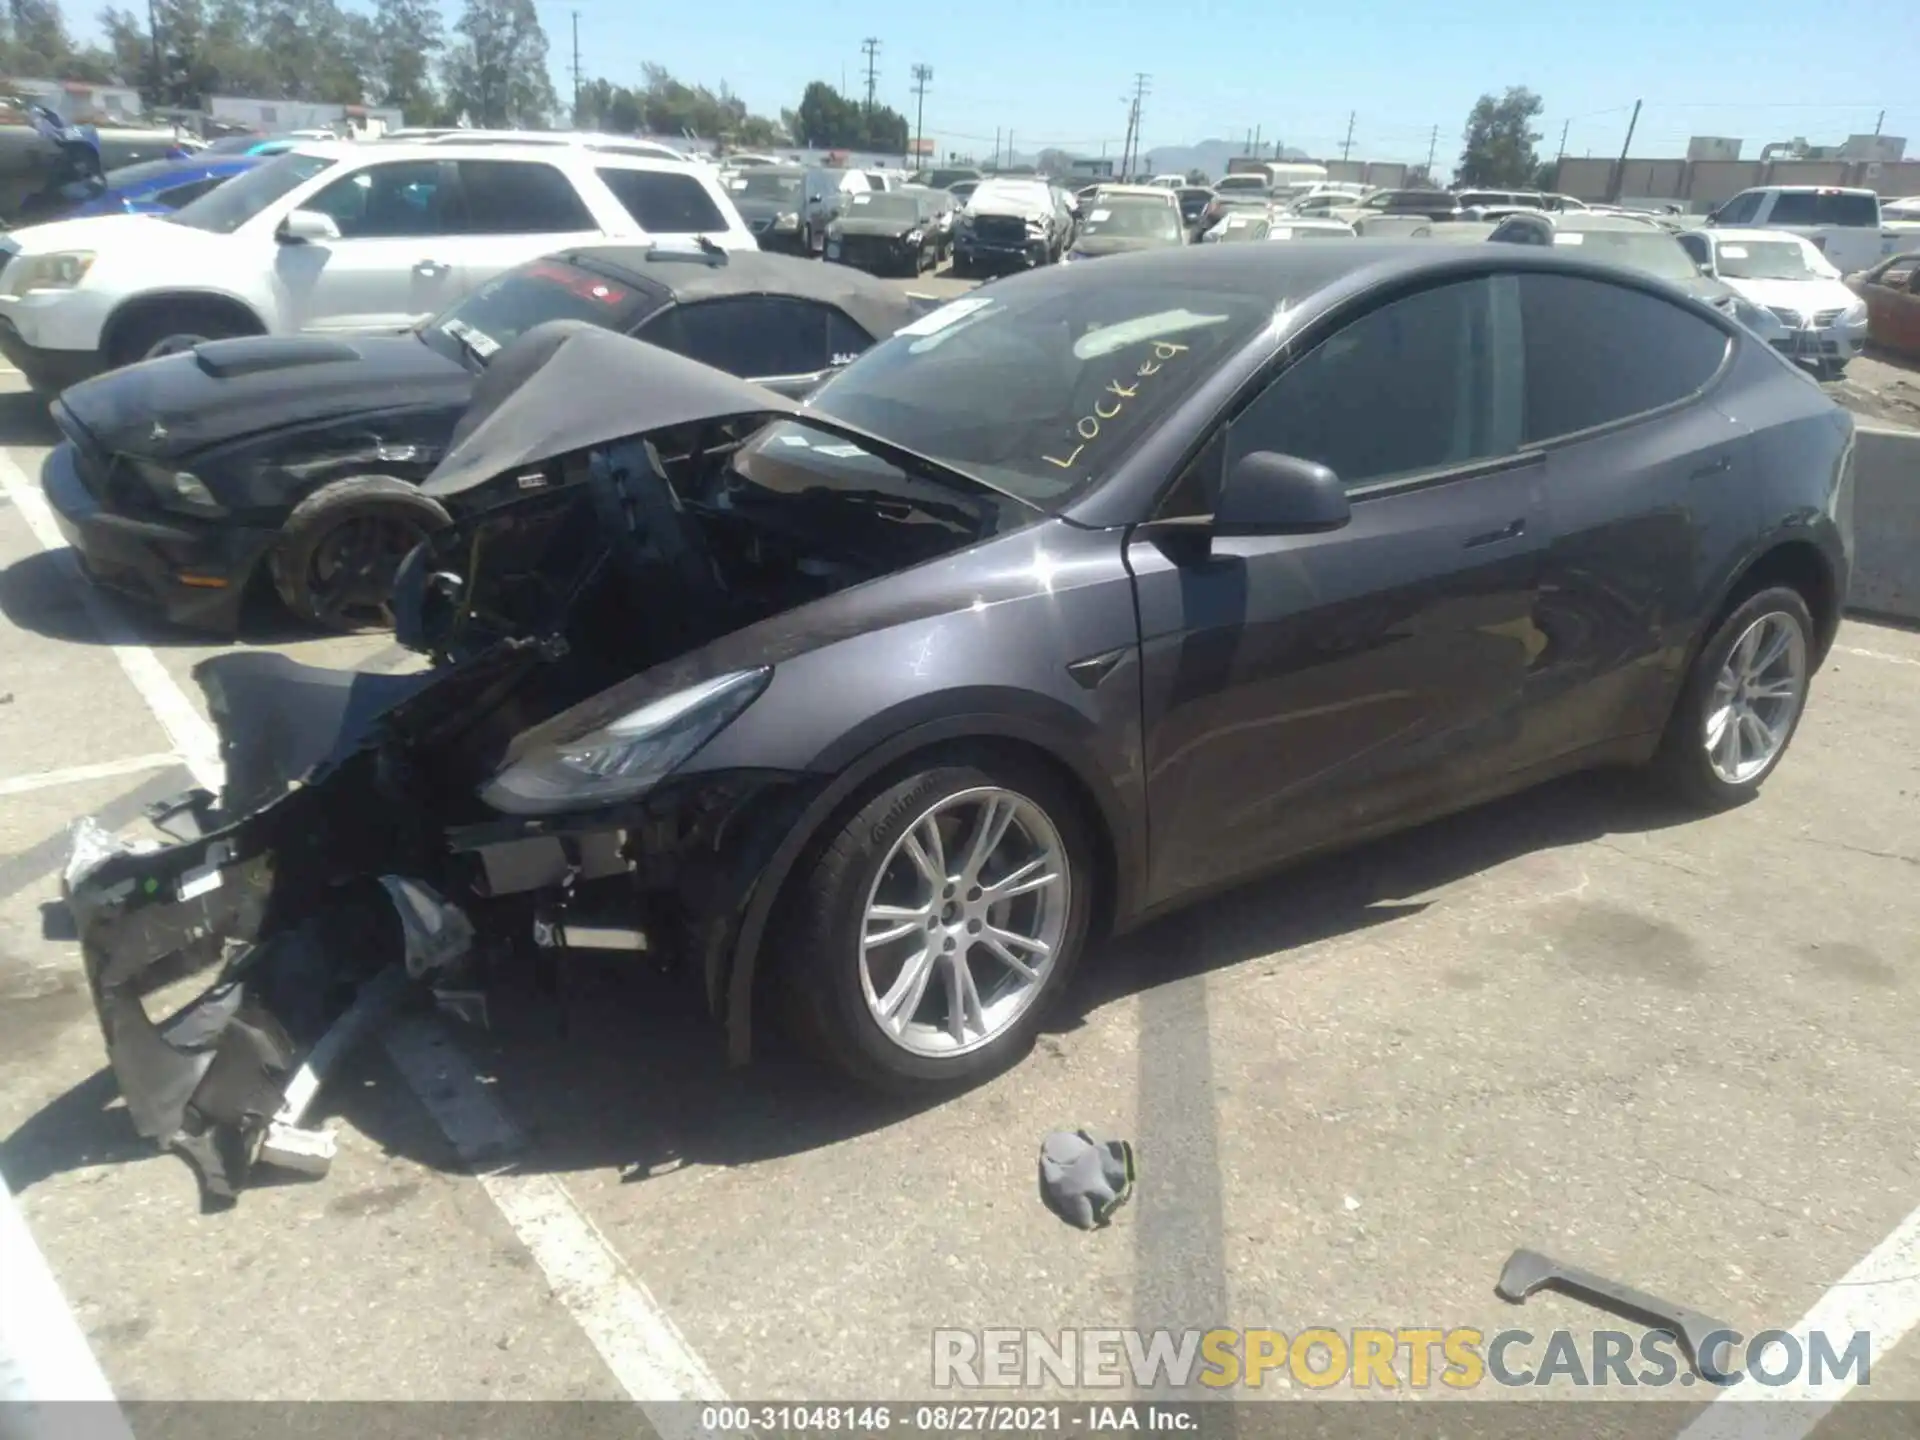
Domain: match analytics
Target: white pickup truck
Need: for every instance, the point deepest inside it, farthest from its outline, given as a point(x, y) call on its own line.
point(1845, 225)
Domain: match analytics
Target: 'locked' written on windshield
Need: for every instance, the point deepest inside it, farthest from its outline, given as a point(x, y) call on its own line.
point(1113, 402)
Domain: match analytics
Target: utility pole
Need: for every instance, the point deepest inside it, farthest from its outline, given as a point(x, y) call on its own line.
point(1565, 125)
point(576, 69)
point(1620, 170)
point(1433, 144)
point(1878, 123)
point(1347, 144)
point(921, 75)
point(1256, 142)
point(1140, 87)
point(996, 147)
point(871, 47)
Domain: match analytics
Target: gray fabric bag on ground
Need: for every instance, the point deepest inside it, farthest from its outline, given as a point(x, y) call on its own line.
point(1084, 1179)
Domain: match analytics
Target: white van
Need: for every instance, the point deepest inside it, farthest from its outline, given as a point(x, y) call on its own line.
point(1845, 225)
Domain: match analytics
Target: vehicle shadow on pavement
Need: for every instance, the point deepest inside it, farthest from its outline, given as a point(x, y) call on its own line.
point(621, 1071)
point(40, 594)
point(25, 420)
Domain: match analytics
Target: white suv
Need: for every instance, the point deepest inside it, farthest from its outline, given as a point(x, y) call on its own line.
point(329, 238)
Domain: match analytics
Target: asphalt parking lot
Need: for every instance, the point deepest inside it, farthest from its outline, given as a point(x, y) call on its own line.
point(1676, 1051)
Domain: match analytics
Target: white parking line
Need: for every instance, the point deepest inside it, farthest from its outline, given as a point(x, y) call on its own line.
point(44, 1358)
point(639, 1342)
point(1880, 1295)
point(1875, 655)
point(73, 774)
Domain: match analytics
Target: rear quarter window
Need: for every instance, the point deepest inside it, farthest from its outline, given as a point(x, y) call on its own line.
point(1598, 353)
point(1803, 207)
point(664, 203)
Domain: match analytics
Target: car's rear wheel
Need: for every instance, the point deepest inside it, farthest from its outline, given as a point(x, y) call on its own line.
point(171, 330)
point(940, 922)
point(341, 547)
point(1742, 701)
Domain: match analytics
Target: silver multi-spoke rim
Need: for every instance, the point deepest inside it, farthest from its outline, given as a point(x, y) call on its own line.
point(964, 922)
point(1756, 699)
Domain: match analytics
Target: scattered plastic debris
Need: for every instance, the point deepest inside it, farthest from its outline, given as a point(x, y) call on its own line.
point(1084, 1179)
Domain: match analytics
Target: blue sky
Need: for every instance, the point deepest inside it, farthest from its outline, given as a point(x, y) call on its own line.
point(1054, 71)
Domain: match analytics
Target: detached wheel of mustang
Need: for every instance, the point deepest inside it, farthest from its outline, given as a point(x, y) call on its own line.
point(941, 921)
point(343, 544)
point(1741, 703)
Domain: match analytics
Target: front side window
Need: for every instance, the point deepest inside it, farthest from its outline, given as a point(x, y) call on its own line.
point(1444, 364)
point(405, 198)
point(519, 197)
point(1696, 248)
point(1740, 209)
point(1598, 353)
point(227, 207)
point(664, 202)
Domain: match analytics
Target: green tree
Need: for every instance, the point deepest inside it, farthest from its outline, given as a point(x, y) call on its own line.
point(1498, 145)
point(37, 43)
point(408, 37)
point(496, 71)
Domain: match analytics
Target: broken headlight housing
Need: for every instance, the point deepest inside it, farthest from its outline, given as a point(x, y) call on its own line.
point(178, 490)
point(628, 756)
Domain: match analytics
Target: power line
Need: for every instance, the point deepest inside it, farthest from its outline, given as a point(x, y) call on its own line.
point(871, 47)
point(921, 75)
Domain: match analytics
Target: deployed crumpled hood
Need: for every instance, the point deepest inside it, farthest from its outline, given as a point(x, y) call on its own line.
point(568, 385)
point(178, 405)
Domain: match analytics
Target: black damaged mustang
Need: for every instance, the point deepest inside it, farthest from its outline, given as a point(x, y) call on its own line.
point(1077, 599)
point(298, 459)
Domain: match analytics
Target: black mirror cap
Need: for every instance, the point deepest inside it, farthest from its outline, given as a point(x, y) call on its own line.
point(1267, 493)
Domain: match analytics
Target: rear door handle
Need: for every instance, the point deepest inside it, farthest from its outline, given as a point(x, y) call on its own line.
point(1512, 531)
point(1712, 468)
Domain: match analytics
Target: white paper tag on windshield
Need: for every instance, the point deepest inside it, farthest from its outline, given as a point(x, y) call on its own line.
point(1280, 232)
point(1733, 252)
point(736, 184)
point(950, 314)
point(863, 199)
point(1568, 237)
point(799, 442)
point(1100, 215)
point(842, 451)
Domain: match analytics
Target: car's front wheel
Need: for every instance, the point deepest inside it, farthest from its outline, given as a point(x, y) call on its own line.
point(341, 547)
point(1741, 702)
point(170, 330)
point(941, 920)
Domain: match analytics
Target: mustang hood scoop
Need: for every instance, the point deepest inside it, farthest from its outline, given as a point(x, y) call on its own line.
point(254, 354)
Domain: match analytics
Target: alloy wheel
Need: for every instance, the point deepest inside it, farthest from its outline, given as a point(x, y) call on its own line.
point(1756, 698)
point(350, 576)
point(964, 922)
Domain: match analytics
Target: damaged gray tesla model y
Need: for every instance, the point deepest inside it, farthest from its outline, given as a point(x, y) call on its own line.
point(1084, 595)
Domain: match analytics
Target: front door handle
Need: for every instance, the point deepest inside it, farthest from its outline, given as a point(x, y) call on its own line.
point(431, 268)
point(1712, 468)
point(1512, 531)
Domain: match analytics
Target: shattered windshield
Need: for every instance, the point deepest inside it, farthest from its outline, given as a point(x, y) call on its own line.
point(1073, 377)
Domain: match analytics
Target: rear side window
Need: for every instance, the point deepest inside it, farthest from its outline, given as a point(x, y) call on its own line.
point(752, 336)
point(1801, 207)
point(1740, 209)
point(664, 203)
point(520, 197)
point(1598, 353)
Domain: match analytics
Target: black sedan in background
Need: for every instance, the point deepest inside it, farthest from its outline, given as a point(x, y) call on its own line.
point(299, 457)
point(1088, 594)
point(886, 233)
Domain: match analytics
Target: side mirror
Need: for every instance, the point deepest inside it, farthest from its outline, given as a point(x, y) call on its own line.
point(304, 226)
point(1272, 494)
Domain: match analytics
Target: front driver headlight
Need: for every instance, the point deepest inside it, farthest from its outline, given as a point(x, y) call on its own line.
point(788, 221)
point(1757, 318)
point(177, 489)
point(627, 757)
point(59, 271)
point(912, 237)
point(1854, 314)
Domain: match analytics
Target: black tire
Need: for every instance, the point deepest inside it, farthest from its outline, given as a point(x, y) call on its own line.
point(339, 549)
point(170, 329)
point(1682, 763)
point(822, 976)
